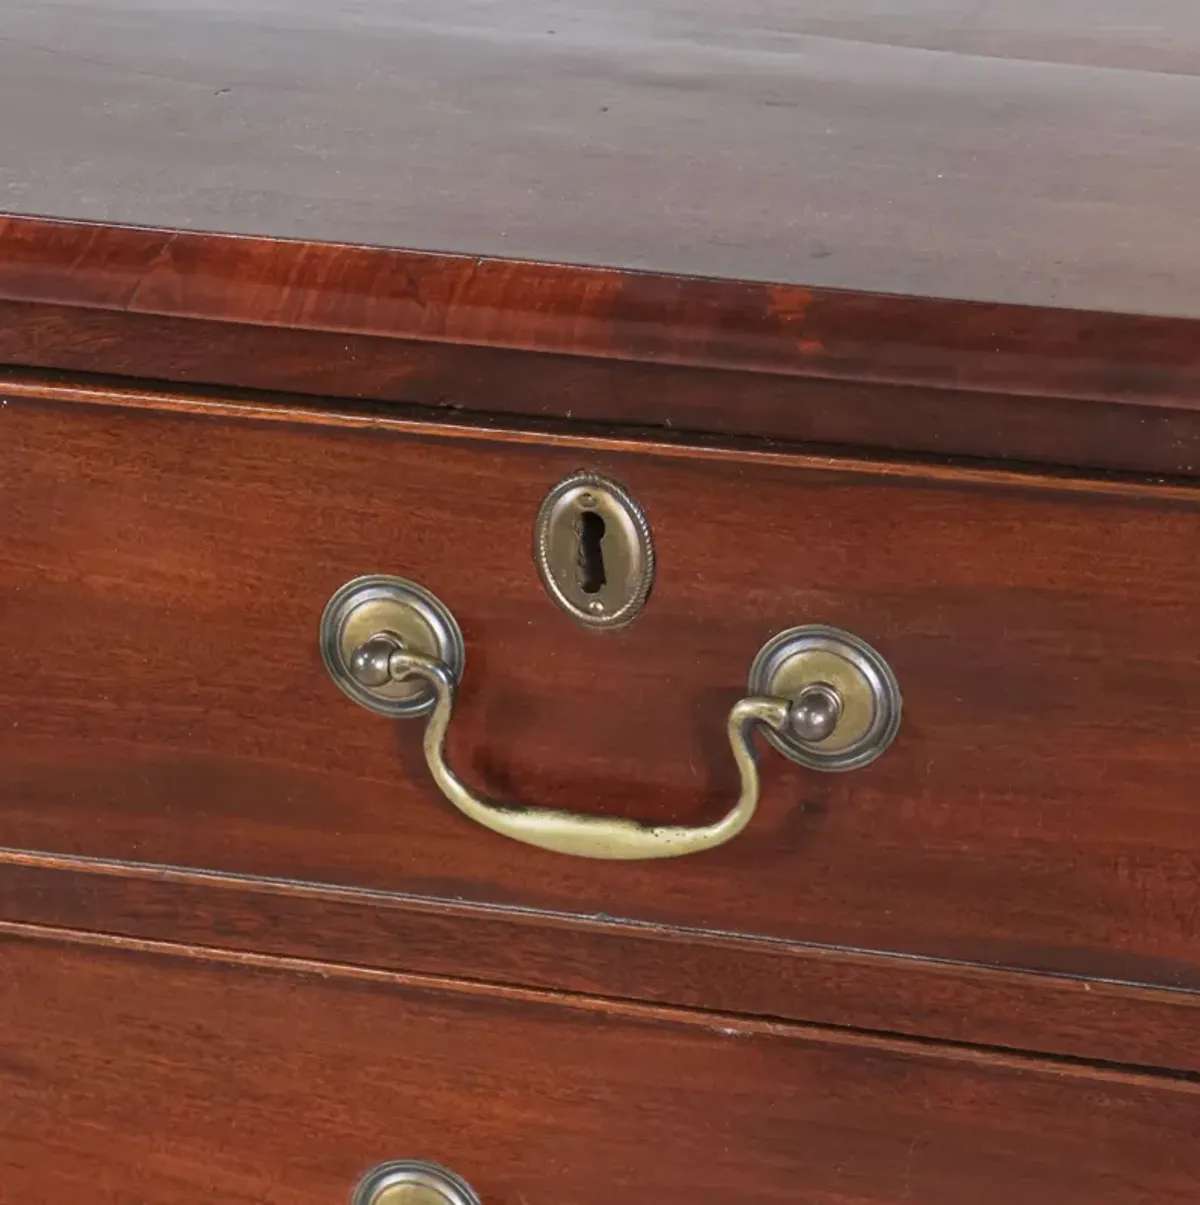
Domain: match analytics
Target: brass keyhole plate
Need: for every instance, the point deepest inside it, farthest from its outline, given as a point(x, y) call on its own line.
point(593, 550)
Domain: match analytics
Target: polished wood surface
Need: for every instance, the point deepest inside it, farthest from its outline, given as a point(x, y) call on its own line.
point(1115, 1023)
point(550, 342)
point(164, 573)
point(1014, 151)
point(184, 1077)
point(886, 310)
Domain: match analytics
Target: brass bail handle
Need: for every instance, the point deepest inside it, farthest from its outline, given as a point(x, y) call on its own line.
point(821, 696)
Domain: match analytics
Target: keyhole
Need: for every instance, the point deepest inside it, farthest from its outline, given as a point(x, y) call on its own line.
point(590, 530)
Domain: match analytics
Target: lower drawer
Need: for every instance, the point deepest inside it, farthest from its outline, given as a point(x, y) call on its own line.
point(156, 1074)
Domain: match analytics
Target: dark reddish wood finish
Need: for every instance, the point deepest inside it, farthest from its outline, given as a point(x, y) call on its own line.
point(164, 574)
point(173, 1076)
point(588, 344)
point(288, 932)
point(949, 1002)
point(560, 308)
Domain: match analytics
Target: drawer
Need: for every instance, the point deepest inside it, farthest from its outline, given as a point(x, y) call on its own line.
point(164, 567)
point(158, 1075)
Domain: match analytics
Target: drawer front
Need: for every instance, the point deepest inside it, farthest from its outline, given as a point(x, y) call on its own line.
point(163, 575)
point(146, 1076)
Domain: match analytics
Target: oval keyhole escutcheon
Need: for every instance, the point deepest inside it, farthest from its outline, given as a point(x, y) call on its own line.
point(593, 550)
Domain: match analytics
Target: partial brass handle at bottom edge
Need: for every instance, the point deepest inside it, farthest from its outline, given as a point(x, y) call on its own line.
point(413, 1182)
point(580, 834)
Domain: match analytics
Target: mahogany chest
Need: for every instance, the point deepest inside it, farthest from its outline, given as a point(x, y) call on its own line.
point(599, 604)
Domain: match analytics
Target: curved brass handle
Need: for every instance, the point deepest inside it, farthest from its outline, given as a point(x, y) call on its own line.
point(822, 697)
point(578, 833)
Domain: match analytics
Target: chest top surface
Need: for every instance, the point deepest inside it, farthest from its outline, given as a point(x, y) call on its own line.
point(1016, 152)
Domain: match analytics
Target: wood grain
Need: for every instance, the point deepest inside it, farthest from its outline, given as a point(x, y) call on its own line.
point(180, 1078)
point(1014, 151)
point(665, 964)
point(558, 308)
point(164, 574)
point(551, 341)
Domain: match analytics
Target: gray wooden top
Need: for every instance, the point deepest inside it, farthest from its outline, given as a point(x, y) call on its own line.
point(1040, 151)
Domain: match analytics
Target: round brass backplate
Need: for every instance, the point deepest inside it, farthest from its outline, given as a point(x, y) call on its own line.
point(414, 618)
point(817, 655)
point(413, 1182)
